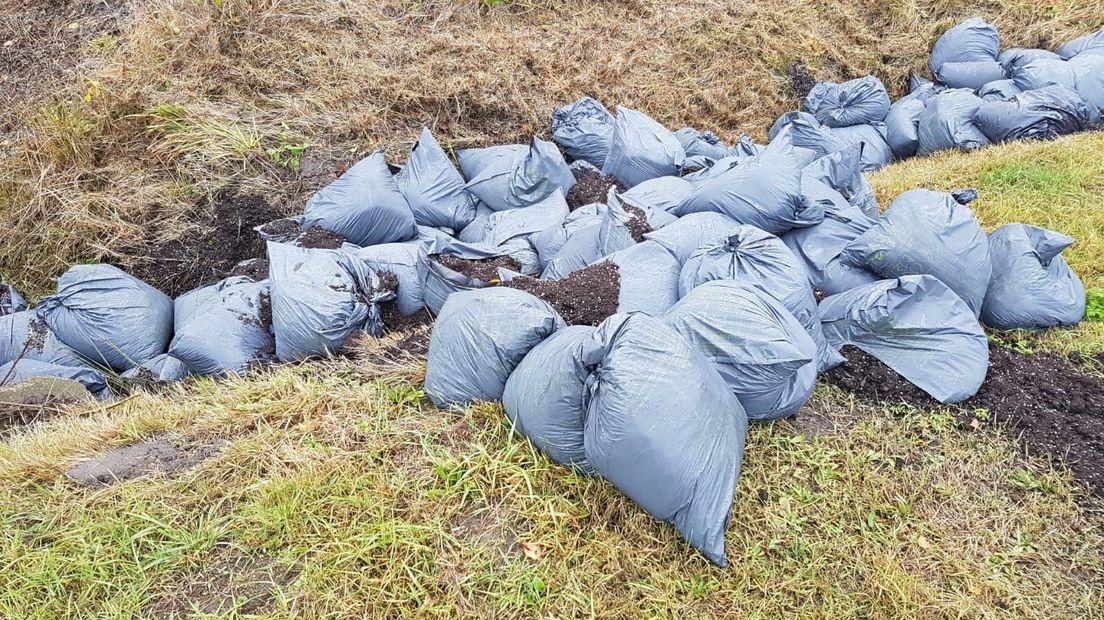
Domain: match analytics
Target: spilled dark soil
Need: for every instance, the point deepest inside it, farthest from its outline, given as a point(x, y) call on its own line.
point(227, 238)
point(283, 228)
point(585, 297)
point(591, 187)
point(638, 226)
point(1049, 402)
point(800, 79)
point(485, 269)
point(320, 239)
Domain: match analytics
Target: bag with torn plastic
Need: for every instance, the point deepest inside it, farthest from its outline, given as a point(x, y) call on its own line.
point(917, 326)
point(875, 151)
point(479, 338)
point(409, 264)
point(109, 316)
point(319, 298)
point(1032, 285)
point(10, 300)
point(24, 335)
point(763, 353)
point(674, 451)
point(441, 281)
point(225, 328)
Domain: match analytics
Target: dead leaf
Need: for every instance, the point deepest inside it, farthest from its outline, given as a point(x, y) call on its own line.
point(532, 550)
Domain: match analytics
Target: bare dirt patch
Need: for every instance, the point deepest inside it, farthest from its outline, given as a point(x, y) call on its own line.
point(591, 187)
point(1050, 403)
point(799, 79)
point(585, 297)
point(165, 455)
point(485, 269)
point(35, 400)
point(234, 583)
point(224, 238)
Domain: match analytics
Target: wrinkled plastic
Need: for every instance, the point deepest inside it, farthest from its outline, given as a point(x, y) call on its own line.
point(545, 396)
point(319, 298)
point(109, 316)
point(675, 452)
point(641, 149)
point(584, 130)
point(499, 227)
point(479, 338)
point(701, 143)
point(843, 172)
point(221, 329)
point(649, 278)
point(24, 335)
point(586, 245)
point(804, 133)
point(854, 102)
point(663, 193)
point(1015, 57)
point(441, 282)
point(763, 353)
point(1041, 114)
point(970, 75)
point(24, 369)
point(902, 127)
point(409, 262)
point(1044, 72)
point(364, 205)
point(947, 122)
point(965, 56)
point(549, 241)
point(525, 180)
point(692, 231)
point(926, 232)
point(163, 369)
point(1032, 287)
point(474, 161)
point(1089, 74)
point(876, 152)
point(10, 300)
point(819, 248)
point(764, 191)
point(917, 326)
point(1088, 45)
point(433, 188)
point(761, 260)
point(999, 90)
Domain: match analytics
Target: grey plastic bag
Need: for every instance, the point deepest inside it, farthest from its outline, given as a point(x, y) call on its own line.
point(649, 278)
point(584, 130)
point(1041, 114)
point(433, 188)
point(662, 193)
point(162, 369)
point(999, 90)
point(843, 172)
point(225, 328)
point(1032, 287)
point(21, 370)
point(691, 232)
point(641, 149)
point(586, 245)
point(763, 191)
point(1015, 57)
point(763, 353)
point(1089, 73)
point(761, 260)
point(701, 143)
point(10, 300)
point(524, 180)
point(926, 232)
point(109, 316)
point(947, 122)
point(854, 102)
point(364, 205)
point(819, 248)
point(319, 298)
point(674, 451)
point(970, 75)
point(545, 396)
point(1088, 45)
point(549, 241)
point(902, 127)
point(803, 132)
point(474, 161)
point(502, 226)
point(1044, 72)
point(24, 335)
point(441, 282)
point(875, 151)
point(917, 326)
point(409, 262)
point(966, 55)
point(479, 338)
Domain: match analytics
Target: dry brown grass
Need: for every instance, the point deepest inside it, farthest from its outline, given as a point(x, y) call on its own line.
point(242, 77)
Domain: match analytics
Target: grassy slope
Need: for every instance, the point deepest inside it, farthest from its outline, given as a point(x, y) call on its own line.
point(193, 94)
point(388, 505)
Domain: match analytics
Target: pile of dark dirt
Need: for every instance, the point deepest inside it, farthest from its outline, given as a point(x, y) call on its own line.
point(585, 297)
point(638, 225)
point(226, 239)
point(320, 239)
point(395, 321)
point(255, 269)
point(171, 456)
point(591, 187)
point(1054, 407)
point(281, 228)
point(800, 79)
point(485, 269)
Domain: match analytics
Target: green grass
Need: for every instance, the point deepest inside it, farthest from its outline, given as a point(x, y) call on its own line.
point(388, 507)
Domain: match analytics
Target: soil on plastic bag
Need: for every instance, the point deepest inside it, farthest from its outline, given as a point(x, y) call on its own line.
point(638, 225)
point(281, 228)
point(591, 187)
point(316, 238)
point(1054, 406)
point(393, 319)
point(255, 269)
point(585, 297)
point(226, 238)
point(485, 269)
